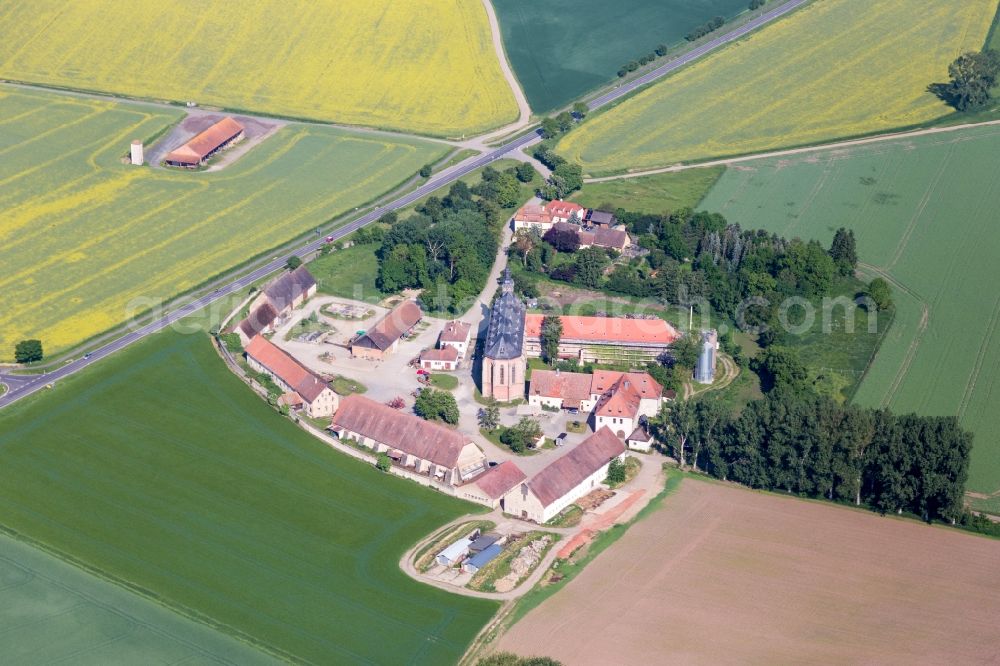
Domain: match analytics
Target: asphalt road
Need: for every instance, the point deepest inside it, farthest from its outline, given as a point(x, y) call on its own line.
point(25, 385)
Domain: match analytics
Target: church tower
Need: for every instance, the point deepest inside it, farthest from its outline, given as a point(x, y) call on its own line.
point(503, 356)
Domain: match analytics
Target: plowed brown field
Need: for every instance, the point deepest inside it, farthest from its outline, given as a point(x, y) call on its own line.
point(725, 575)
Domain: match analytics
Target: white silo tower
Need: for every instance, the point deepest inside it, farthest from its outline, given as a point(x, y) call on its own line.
point(137, 152)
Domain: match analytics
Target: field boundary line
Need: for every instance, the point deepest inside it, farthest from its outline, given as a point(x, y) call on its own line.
point(726, 161)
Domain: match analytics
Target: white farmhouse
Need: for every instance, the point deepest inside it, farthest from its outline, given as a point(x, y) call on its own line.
point(566, 480)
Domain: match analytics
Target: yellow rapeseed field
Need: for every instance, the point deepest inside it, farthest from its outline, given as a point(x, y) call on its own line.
point(426, 66)
point(835, 68)
point(89, 241)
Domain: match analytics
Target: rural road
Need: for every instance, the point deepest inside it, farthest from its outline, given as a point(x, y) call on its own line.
point(23, 386)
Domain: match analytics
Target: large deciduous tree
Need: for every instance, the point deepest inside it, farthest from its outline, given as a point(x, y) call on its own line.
point(973, 77)
point(28, 351)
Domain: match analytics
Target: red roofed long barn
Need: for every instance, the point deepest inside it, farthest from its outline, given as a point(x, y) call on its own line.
point(292, 377)
point(196, 152)
point(411, 442)
point(566, 480)
point(603, 339)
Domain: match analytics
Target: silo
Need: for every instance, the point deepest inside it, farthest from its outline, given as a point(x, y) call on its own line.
point(137, 153)
point(704, 372)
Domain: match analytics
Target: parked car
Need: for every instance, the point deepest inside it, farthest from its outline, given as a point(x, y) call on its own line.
point(573, 410)
point(561, 439)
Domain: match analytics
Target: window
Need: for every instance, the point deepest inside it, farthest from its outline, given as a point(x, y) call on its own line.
point(501, 374)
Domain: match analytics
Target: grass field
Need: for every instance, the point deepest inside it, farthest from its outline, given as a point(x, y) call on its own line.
point(55, 612)
point(349, 273)
point(160, 468)
point(425, 66)
point(85, 236)
point(924, 211)
point(719, 571)
point(656, 194)
point(826, 71)
point(561, 49)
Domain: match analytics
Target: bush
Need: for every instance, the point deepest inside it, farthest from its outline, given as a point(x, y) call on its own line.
point(524, 172)
point(293, 262)
point(756, 4)
point(383, 463)
point(232, 343)
point(616, 472)
point(434, 405)
point(28, 351)
point(426, 171)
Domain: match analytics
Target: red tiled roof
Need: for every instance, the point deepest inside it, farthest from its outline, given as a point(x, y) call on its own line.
point(606, 329)
point(558, 208)
point(410, 434)
point(392, 327)
point(572, 387)
point(443, 354)
point(532, 213)
point(195, 150)
point(455, 331)
point(642, 382)
point(498, 481)
point(568, 472)
point(287, 369)
point(621, 401)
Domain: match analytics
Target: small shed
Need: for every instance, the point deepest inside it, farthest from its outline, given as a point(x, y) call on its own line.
point(481, 559)
point(483, 542)
point(454, 553)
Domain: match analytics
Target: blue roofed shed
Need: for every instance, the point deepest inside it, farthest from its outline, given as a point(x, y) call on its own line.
point(482, 558)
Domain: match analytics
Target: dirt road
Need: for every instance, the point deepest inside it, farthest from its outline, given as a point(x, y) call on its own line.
point(523, 109)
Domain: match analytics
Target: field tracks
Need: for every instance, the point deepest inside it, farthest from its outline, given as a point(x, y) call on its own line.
point(918, 213)
point(911, 351)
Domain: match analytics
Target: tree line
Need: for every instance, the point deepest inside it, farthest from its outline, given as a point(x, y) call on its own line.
point(797, 441)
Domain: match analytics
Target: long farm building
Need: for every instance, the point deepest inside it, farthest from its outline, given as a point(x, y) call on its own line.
point(603, 339)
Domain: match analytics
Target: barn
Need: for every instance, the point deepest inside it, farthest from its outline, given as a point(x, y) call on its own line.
point(383, 338)
point(412, 443)
point(198, 150)
point(566, 480)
